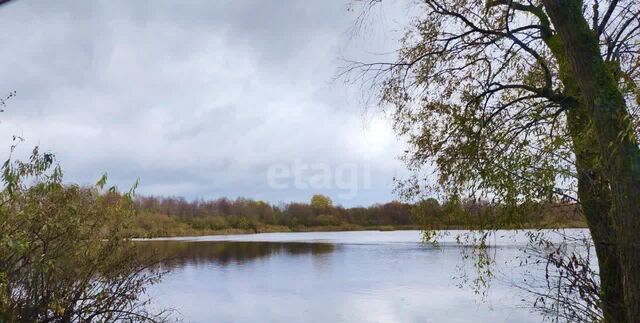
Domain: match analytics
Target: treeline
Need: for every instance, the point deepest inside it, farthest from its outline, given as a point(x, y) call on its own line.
point(171, 216)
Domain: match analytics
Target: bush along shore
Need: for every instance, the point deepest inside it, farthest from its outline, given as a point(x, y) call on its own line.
point(171, 216)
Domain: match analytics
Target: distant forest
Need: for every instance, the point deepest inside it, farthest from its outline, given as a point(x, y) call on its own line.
point(173, 216)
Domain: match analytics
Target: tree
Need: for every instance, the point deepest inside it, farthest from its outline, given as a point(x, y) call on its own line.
point(527, 101)
point(321, 204)
point(65, 253)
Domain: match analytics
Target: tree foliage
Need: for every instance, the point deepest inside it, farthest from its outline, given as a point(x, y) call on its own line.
point(169, 216)
point(65, 253)
point(478, 94)
point(321, 203)
point(518, 102)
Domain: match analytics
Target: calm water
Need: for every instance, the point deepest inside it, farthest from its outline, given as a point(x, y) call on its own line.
point(330, 277)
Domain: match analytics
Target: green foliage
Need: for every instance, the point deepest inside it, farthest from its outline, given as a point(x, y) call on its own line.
point(65, 253)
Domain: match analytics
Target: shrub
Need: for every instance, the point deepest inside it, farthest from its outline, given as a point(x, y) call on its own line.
point(65, 252)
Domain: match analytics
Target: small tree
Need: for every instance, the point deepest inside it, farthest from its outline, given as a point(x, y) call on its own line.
point(321, 204)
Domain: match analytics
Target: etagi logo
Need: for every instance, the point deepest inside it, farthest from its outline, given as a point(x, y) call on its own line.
point(348, 178)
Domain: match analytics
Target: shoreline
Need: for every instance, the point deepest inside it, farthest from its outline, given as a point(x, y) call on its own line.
point(349, 228)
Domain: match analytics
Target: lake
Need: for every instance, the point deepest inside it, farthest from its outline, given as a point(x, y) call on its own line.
point(366, 276)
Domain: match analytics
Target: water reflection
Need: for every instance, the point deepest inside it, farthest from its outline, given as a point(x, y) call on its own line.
point(348, 277)
point(176, 254)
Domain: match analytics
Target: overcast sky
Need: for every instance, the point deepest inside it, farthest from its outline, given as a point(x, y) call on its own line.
point(201, 99)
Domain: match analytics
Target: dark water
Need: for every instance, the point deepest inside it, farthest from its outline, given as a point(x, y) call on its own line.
point(327, 277)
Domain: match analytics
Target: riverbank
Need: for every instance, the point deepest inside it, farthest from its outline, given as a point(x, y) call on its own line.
point(178, 229)
point(184, 231)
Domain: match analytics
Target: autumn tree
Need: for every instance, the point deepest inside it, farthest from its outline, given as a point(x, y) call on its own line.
point(521, 101)
point(321, 203)
point(65, 250)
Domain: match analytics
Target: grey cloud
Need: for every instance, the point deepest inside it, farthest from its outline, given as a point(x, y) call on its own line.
point(197, 98)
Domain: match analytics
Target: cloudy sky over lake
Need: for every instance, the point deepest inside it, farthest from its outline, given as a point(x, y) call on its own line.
point(201, 99)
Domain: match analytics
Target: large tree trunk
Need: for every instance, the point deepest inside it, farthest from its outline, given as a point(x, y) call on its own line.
point(594, 192)
point(612, 291)
point(617, 145)
point(595, 200)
